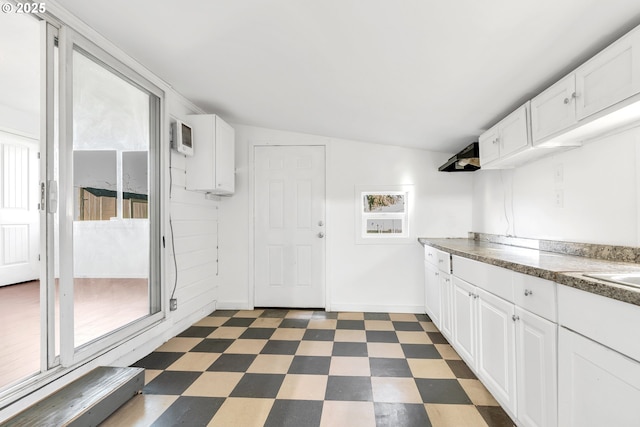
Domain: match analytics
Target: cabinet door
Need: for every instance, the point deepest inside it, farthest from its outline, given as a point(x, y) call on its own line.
point(464, 320)
point(488, 144)
point(225, 157)
point(536, 367)
point(597, 386)
point(432, 292)
point(445, 305)
point(609, 77)
point(514, 131)
point(496, 348)
point(554, 109)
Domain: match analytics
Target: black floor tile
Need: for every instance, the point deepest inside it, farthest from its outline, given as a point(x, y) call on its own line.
point(495, 416)
point(223, 313)
point(444, 391)
point(193, 411)
point(377, 316)
point(316, 365)
point(211, 345)
point(319, 335)
point(324, 315)
point(349, 389)
point(171, 382)
point(420, 351)
point(355, 349)
point(437, 338)
point(294, 323)
point(197, 331)
point(280, 347)
point(239, 321)
point(422, 318)
point(232, 363)
point(258, 333)
point(158, 360)
point(401, 414)
point(274, 313)
point(295, 413)
point(382, 336)
point(258, 386)
point(383, 367)
point(351, 324)
point(407, 326)
point(460, 369)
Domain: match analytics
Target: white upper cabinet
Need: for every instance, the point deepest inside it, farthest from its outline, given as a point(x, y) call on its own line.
point(510, 136)
point(609, 77)
point(601, 95)
point(211, 169)
point(554, 109)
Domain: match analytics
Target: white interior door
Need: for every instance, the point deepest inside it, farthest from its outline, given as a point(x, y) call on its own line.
point(289, 226)
point(19, 215)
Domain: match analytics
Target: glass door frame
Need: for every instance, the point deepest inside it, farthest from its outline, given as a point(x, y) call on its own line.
point(69, 41)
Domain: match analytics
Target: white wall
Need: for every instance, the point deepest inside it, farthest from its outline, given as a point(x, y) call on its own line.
point(359, 277)
point(597, 184)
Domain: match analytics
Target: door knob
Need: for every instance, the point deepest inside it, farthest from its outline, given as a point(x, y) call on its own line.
point(321, 234)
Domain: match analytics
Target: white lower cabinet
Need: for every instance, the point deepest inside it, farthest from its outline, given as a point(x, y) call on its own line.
point(536, 369)
point(432, 292)
point(511, 350)
point(496, 347)
point(597, 386)
point(464, 309)
point(446, 320)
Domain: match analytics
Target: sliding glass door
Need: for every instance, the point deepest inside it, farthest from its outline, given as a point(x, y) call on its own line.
point(110, 227)
point(79, 202)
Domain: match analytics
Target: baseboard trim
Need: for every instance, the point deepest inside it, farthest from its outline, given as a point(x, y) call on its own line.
point(375, 308)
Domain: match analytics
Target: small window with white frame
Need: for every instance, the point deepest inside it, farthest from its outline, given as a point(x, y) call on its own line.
point(383, 215)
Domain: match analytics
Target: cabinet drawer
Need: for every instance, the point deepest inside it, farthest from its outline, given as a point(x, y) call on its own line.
point(497, 280)
point(535, 295)
point(431, 255)
point(444, 261)
point(605, 320)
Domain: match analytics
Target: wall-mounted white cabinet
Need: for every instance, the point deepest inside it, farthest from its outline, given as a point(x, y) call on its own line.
point(211, 169)
point(609, 77)
point(508, 137)
point(554, 109)
point(601, 95)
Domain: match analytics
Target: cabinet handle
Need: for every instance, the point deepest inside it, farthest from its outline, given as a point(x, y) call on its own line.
point(527, 292)
point(476, 296)
point(447, 280)
point(514, 317)
point(429, 254)
point(470, 294)
point(437, 274)
point(574, 95)
point(566, 100)
point(440, 260)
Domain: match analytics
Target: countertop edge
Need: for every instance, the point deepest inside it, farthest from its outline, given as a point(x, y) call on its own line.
point(572, 279)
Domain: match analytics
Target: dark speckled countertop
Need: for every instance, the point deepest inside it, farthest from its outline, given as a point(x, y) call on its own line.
point(558, 267)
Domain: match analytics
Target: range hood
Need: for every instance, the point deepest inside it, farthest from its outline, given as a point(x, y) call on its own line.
point(466, 160)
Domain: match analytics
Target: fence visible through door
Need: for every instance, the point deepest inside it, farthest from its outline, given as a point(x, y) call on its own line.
point(289, 228)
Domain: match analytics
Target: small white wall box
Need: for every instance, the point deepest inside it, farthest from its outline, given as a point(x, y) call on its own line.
point(182, 138)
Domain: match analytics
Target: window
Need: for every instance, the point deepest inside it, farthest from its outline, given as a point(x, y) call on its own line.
point(382, 214)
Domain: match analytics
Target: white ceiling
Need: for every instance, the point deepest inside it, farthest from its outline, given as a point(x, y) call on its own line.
point(418, 73)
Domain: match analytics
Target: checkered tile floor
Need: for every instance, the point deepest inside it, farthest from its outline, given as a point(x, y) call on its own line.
point(299, 368)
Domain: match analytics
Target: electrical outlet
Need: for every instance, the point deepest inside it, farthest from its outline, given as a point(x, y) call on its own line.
point(558, 173)
point(559, 198)
point(173, 304)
